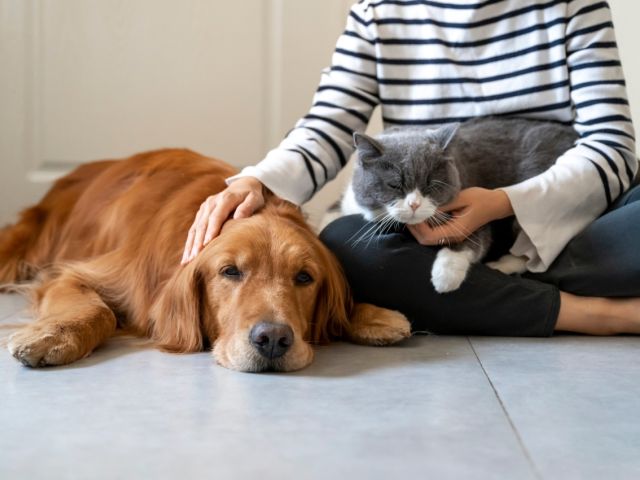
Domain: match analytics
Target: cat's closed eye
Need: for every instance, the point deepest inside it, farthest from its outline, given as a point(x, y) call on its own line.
point(394, 185)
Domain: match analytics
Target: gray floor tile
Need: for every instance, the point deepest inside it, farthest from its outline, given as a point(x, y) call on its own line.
point(11, 304)
point(574, 400)
point(422, 410)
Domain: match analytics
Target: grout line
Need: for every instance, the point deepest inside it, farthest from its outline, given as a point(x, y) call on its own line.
point(527, 455)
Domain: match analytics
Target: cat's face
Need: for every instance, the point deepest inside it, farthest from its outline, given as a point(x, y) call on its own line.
point(405, 173)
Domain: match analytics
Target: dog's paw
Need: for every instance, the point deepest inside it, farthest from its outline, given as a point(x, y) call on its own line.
point(40, 346)
point(509, 264)
point(449, 270)
point(371, 325)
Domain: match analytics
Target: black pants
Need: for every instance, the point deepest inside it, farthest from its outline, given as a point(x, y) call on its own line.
point(392, 270)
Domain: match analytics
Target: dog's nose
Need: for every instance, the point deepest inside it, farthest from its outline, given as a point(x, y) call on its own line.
point(271, 340)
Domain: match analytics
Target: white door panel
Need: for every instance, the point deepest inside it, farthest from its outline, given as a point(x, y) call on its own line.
point(123, 76)
point(82, 80)
point(87, 79)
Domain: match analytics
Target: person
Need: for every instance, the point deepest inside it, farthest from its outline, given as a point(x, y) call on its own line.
point(429, 63)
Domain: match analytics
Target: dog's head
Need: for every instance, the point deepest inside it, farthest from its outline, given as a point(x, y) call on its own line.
point(261, 293)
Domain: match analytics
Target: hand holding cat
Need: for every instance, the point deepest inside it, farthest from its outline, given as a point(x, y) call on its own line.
point(473, 208)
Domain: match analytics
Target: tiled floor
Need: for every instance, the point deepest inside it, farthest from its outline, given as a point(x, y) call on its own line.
point(434, 407)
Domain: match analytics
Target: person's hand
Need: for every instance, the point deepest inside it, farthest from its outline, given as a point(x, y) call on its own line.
point(473, 208)
point(242, 198)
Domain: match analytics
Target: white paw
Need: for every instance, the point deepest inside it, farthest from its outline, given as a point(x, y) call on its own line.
point(509, 264)
point(450, 269)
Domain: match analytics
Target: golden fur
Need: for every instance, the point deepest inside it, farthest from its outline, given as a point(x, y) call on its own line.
point(104, 247)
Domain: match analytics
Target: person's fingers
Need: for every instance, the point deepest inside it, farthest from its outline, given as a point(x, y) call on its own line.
point(225, 204)
point(250, 204)
point(437, 235)
point(201, 226)
point(424, 234)
point(453, 231)
point(188, 246)
point(461, 201)
point(454, 205)
point(209, 230)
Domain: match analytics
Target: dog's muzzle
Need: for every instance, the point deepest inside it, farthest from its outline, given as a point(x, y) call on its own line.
point(271, 340)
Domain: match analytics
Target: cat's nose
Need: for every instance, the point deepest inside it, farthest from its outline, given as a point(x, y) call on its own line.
point(414, 204)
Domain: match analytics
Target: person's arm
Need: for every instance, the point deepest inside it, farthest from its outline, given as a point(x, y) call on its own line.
point(320, 143)
point(553, 207)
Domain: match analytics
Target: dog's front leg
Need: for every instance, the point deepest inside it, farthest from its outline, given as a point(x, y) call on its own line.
point(71, 321)
point(371, 325)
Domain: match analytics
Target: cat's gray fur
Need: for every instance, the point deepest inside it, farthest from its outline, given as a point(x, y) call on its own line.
point(489, 152)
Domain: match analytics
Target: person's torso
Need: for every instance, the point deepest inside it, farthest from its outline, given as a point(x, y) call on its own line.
point(439, 62)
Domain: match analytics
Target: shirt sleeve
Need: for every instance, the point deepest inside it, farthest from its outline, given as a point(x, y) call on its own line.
point(553, 207)
point(321, 142)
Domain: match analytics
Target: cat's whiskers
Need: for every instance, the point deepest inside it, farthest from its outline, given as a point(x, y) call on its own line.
point(440, 182)
point(372, 230)
point(384, 225)
point(442, 220)
point(376, 233)
point(436, 189)
point(368, 226)
point(439, 185)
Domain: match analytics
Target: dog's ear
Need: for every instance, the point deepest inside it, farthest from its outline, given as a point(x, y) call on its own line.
point(180, 313)
point(331, 315)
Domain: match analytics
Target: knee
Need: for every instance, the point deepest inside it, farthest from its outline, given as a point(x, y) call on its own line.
point(356, 257)
point(353, 237)
point(631, 196)
point(373, 263)
point(340, 235)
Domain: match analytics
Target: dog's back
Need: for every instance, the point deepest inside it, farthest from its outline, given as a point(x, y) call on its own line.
point(31, 242)
point(105, 205)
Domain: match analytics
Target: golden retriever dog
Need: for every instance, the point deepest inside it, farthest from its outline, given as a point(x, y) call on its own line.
point(102, 251)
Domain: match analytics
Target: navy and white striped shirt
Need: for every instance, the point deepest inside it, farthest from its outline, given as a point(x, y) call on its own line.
point(433, 62)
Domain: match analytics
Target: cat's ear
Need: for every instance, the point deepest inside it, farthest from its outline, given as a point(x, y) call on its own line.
point(445, 134)
point(367, 146)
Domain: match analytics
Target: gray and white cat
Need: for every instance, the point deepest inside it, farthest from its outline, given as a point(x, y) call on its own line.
point(405, 174)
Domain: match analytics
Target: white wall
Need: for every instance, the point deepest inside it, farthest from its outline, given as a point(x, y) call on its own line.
point(87, 79)
point(626, 14)
point(82, 80)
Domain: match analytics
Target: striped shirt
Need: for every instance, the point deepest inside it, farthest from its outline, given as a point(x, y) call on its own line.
point(428, 62)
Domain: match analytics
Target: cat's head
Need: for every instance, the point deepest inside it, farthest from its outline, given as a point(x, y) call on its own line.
point(405, 172)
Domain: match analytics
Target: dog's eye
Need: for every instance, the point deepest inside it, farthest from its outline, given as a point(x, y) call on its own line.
point(303, 278)
point(232, 272)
